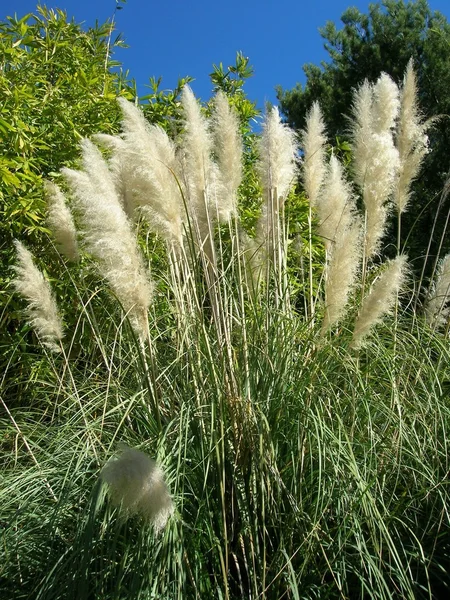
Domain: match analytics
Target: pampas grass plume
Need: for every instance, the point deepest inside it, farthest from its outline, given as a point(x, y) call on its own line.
point(228, 150)
point(341, 270)
point(335, 204)
point(42, 311)
point(277, 164)
point(108, 236)
point(376, 159)
point(362, 131)
point(277, 168)
point(199, 171)
point(148, 170)
point(386, 104)
point(60, 221)
point(313, 142)
point(412, 141)
point(380, 300)
point(136, 485)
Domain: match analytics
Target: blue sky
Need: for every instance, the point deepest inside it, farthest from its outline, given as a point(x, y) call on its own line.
point(177, 38)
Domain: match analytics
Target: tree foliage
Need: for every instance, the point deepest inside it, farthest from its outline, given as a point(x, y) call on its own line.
point(56, 87)
point(385, 39)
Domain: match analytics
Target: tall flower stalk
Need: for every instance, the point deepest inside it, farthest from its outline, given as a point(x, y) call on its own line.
point(277, 169)
point(376, 159)
point(107, 235)
point(313, 174)
point(411, 142)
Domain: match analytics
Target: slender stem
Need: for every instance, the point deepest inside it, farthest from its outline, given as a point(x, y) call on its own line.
point(364, 258)
point(311, 294)
point(108, 48)
point(399, 233)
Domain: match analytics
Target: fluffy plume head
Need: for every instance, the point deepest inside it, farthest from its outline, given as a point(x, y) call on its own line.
point(108, 236)
point(376, 159)
point(277, 164)
point(386, 104)
point(136, 484)
point(277, 170)
point(228, 151)
point(437, 308)
point(340, 272)
point(335, 203)
point(412, 141)
point(362, 130)
point(313, 142)
point(60, 221)
point(119, 169)
point(380, 300)
point(149, 171)
point(200, 173)
point(42, 312)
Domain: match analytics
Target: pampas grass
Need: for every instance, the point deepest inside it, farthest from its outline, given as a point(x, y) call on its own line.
point(303, 464)
point(313, 143)
point(41, 310)
point(412, 141)
point(60, 221)
point(277, 164)
point(342, 267)
point(376, 159)
point(108, 236)
point(228, 151)
point(200, 174)
point(335, 204)
point(136, 485)
point(277, 167)
point(151, 168)
point(380, 300)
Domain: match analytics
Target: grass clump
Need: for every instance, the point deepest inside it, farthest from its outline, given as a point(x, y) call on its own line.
point(295, 452)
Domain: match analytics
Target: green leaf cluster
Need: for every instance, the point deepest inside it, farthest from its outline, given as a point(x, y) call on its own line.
point(56, 87)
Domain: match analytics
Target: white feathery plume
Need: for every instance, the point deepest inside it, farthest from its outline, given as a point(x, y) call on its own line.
point(145, 167)
point(341, 270)
point(200, 173)
point(277, 169)
point(437, 307)
point(42, 311)
point(412, 141)
point(313, 142)
point(118, 167)
point(136, 485)
point(381, 299)
point(335, 203)
point(151, 172)
point(228, 151)
point(108, 236)
point(277, 164)
point(376, 159)
point(386, 104)
point(60, 221)
point(362, 131)
point(341, 231)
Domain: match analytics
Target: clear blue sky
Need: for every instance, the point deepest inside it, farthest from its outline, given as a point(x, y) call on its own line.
point(176, 38)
